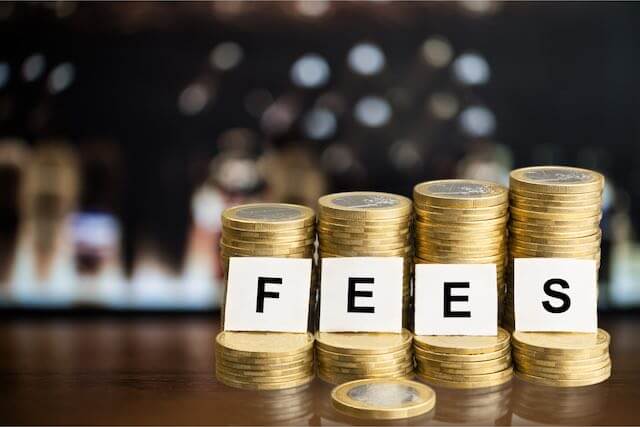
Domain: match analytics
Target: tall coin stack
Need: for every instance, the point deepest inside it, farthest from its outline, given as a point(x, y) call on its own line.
point(366, 223)
point(460, 221)
point(266, 230)
point(263, 360)
point(555, 213)
point(562, 359)
point(344, 356)
point(464, 361)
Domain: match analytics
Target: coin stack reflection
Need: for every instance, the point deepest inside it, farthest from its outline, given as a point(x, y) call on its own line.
point(555, 213)
point(367, 224)
point(266, 230)
point(462, 221)
point(264, 361)
point(562, 359)
point(464, 361)
point(344, 356)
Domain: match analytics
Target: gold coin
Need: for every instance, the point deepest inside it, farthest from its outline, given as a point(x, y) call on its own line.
point(516, 231)
point(575, 355)
point(396, 234)
point(268, 217)
point(459, 193)
point(265, 362)
point(561, 363)
point(568, 373)
point(356, 364)
point(591, 197)
point(497, 210)
point(264, 344)
point(265, 376)
point(383, 399)
point(457, 218)
point(458, 344)
point(363, 342)
point(561, 342)
point(551, 209)
point(381, 225)
point(556, 249)
point(521, 253)
point(364, 252)
point(544, 240)
point(267, 245)
point(354, 243)
point(446, 250)
point(572, 215)
point(556, 179)
point(490, 224)
point(366, 371)
point(233, 251)
point(264, 386)
point(401, 354)
point(422, 258)
point(478, 370)
point(467, 384)
point(464, 377)
point(222, 361)
point(563, 383)
point(368, 205)
point(517, 200)
point(336, 246)
point(464, 365)
point(337, 377)
point(248, 377)
point(287, 236)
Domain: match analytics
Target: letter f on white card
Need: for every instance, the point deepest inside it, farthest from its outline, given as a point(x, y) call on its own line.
point(267, 294)
point(456, 299)
point(555, 295)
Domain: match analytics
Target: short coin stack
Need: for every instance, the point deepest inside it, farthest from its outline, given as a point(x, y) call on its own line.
point(461, 221)
point(555, 213)
point(562, 359)
point(264, 361)
point(367, 224)
point(464, 361)
point(267, 230)
point(344, 356)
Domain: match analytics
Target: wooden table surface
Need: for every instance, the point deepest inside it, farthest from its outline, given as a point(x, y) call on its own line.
point(159, 370)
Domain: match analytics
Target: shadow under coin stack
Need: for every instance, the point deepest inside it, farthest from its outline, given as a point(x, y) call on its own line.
point(555, 213)
point(266, 230)
point(562, 359)
point(367, 224)
point(464, 361)
point(264, 360)
point(461, 221)
point(345, 356)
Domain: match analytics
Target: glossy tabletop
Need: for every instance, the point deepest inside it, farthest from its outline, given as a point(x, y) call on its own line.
point(159, 370)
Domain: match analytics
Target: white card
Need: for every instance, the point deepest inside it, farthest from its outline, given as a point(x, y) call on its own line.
point(361, 294)
point(456, 299)
point(268, 294)
point(555, 295)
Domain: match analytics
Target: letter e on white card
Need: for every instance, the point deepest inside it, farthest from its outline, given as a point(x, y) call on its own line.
point(267, 294)
point(456, 299)
point(555, 295)
point(361, 294)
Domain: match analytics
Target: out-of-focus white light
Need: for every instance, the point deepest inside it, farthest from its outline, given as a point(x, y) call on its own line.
point(61, 77)
point(320, 123)
point(94, 230)
point(33, 67)
point(437, 51)
point(443, 105)
point(193, 99)
point(5, 72)
point(471, 69)
point(238, 174)
point(480, 7)
point(310, 71)
point(366, 59)
point(207, 206)
point(226, 56)
point(477, 121)
point(337, 159)
point(373, 111)
point(405, 155)
point(279, 117)
point(312, 8)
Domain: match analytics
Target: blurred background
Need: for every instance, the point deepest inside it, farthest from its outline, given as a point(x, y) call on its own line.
point(127, 128)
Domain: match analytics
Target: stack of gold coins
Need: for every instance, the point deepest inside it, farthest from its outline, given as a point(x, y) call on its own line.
point(461, 221)
point(555, 213)
point(562, 359)
point(344, 356)
point(464, 361)
point(263, 360)
point(267, 230)
point(365, 223)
